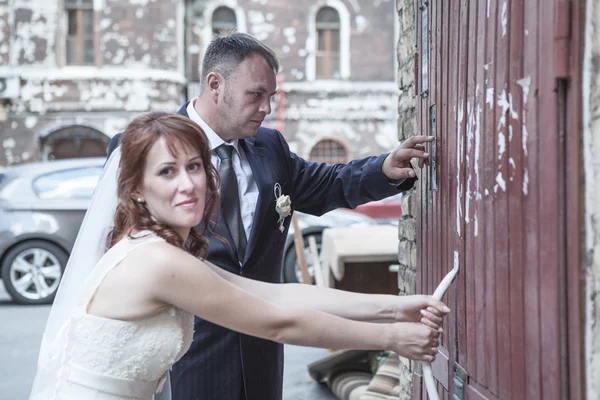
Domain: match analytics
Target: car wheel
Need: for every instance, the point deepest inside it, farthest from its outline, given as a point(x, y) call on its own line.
point(31, 271)
point(291, 268)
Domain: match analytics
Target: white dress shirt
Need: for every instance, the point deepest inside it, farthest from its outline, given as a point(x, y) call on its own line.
point(247, 189)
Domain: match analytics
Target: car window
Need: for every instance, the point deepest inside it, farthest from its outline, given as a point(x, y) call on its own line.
point(75, 183)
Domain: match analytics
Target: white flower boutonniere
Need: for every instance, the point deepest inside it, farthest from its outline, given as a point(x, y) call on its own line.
point(283, 206)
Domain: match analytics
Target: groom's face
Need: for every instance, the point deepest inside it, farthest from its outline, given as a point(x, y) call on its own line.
point(246, 98)
point(174, 186)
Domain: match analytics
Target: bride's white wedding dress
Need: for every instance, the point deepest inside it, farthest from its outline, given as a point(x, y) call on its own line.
point(106, 359)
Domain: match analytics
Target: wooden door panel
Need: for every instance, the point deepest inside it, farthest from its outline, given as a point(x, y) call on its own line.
point(494, 89)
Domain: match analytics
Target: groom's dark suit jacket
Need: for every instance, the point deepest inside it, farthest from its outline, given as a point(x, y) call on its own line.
point(219, 359)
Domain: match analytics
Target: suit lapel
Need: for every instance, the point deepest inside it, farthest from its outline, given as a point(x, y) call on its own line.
point(263, 176)
point(183, 110)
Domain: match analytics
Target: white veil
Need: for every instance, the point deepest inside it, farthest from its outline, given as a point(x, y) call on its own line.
point(90, 246)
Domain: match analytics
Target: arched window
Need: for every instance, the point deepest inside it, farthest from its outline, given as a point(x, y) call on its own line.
point(74, 141)
point(327, 57)
point(223, 20)
point(329, 151)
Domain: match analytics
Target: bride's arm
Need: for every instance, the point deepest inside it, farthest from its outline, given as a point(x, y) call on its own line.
point(351, 305)
point(177, 278)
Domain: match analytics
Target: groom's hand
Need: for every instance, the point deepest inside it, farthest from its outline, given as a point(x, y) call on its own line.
point(397, 164)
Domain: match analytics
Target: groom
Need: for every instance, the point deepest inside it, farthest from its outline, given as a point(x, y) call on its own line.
point(238, 80)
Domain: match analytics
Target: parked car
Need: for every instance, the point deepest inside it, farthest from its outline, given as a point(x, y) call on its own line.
point(388, 210)
point(43, 204)
point(41, 209)
point(311, 225)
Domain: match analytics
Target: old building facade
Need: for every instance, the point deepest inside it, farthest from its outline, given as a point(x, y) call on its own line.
point(74, 72)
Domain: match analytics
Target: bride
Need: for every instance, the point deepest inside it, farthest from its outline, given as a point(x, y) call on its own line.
point(123, 316)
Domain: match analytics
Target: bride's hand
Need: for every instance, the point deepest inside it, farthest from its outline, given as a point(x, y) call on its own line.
point(420, 308)
point(415, 341)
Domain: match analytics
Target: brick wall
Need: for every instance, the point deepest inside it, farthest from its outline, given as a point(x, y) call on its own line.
point(407, 121)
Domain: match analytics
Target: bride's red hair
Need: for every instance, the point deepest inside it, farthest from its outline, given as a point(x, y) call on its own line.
point(136, 141)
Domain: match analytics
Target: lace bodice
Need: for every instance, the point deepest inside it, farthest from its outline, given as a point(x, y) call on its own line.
point(139, 350)
point(114, 358)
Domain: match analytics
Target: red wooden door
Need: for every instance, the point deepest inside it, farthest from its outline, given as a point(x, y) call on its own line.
point(498, 85)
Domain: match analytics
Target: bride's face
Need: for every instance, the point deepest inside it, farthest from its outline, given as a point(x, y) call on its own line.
point(174, 187)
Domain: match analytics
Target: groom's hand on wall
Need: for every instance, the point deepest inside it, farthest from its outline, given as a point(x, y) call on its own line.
point(397, 164)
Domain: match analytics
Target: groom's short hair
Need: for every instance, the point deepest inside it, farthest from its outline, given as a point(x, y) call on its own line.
point(226, 52)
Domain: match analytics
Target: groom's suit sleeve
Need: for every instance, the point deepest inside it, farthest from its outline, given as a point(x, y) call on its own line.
point(320, 187)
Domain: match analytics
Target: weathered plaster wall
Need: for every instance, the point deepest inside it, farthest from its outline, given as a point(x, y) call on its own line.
point(591, 105)
point(5, 32)
point(140, 33)
point(407, 121)
point(141, 65)
point(284, 25)
point(362, 116)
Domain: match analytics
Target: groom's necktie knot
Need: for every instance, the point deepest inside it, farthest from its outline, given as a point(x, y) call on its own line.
point(224, 152)
point(230, 203)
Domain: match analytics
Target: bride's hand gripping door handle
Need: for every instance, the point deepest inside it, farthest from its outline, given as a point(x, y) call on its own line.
point(430, 384)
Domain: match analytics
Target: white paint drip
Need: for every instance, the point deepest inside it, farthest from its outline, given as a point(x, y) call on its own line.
point(526, 183)
point(476, 226)
point(488, 9)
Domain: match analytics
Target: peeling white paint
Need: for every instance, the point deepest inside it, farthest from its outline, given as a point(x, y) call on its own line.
point(30, 122)
point(501, 145)
point(489, 98)
point(513, 172)
point(476, 226)
point(488, 9)
point(525, 83)
point(477, 151)
point(506, 104)
point(486, 192)
point(504, 17)
point(361, 23)
point(459, 161)
point(526, 183)
point(290, 34)
point(259, 25)
point(501, 182)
